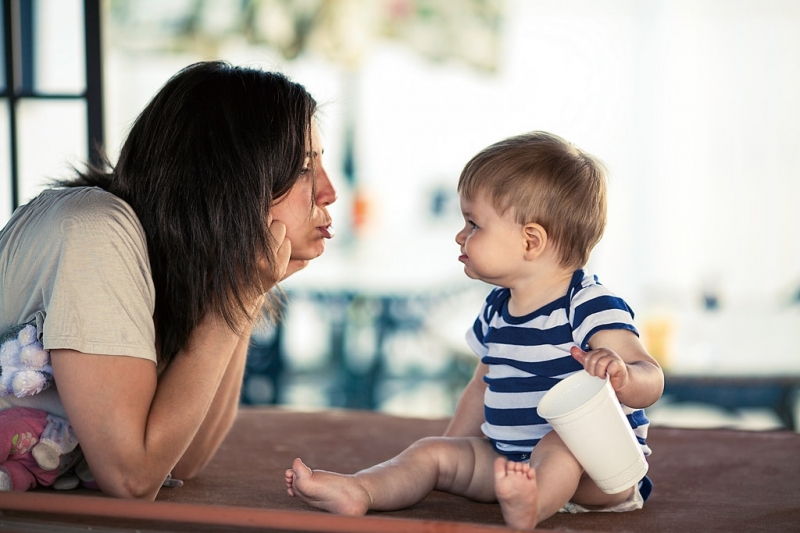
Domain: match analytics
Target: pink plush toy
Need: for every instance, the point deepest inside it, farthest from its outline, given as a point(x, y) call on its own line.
point(35, 448)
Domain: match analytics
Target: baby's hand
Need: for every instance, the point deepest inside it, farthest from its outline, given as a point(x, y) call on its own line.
point(601, 362)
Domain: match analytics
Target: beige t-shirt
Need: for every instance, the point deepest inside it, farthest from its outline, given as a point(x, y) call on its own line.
point(74, 261)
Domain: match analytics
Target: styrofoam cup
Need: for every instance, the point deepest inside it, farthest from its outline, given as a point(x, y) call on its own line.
point(585, 412)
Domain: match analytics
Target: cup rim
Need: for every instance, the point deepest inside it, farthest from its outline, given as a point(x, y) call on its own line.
point(579, 375)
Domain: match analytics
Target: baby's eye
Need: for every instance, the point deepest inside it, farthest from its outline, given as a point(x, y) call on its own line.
point(472, 224)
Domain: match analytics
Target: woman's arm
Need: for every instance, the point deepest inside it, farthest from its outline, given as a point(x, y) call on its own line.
point(467, 419)
point(134, 427)
point(220, 417)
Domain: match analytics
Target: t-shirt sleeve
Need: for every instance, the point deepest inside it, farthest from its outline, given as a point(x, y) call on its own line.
point(102, 298)
point(595, 309)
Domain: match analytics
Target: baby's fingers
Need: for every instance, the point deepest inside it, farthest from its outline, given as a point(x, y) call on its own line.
point(613, 367)
point(578, 354)
point(595, 362)
point(589, 360)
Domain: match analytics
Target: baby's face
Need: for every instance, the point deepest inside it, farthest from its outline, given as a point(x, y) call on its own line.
point(492, 246)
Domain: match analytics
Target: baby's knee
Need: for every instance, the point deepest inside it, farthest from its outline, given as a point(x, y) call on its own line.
point(552, 453)
point(589, 495)
point(551, 445)
point(442, 454)
point(431, 445)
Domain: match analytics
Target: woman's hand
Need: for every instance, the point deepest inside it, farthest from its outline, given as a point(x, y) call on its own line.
point(273, 273)
point(295, 265)
point(285, 266)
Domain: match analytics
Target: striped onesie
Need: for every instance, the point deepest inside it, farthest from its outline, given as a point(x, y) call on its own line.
point(527, 355)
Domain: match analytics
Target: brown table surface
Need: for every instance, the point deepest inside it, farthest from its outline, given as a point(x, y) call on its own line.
point(705, 480)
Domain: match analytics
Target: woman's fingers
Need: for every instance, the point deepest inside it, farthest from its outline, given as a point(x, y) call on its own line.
point(295, 265)
point(284, 251)
point(273, 273)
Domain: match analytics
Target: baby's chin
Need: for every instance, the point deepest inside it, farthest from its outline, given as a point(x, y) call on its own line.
point(470, 273)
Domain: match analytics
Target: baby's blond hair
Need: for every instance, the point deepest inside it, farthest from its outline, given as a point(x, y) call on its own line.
point(546, 180)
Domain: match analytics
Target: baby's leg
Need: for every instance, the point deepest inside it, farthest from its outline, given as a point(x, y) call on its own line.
point(562, 479)
point(332, 492)
point(460, 466)
point(558, 474)
point(589, 495)
point(517, 492)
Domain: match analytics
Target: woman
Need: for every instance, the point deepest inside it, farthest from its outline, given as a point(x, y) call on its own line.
point(144, 281)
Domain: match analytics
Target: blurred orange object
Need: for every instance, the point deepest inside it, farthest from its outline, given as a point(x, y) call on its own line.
point(362, 211)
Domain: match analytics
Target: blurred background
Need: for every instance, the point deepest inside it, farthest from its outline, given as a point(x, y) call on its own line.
point(692, 104)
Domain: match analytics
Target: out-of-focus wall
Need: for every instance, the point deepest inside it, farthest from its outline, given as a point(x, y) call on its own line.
point(692, 104)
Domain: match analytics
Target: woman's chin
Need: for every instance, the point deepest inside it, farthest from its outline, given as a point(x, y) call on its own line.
point(309, 254)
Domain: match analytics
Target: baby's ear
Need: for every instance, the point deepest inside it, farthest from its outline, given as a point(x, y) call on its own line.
point(535, 239)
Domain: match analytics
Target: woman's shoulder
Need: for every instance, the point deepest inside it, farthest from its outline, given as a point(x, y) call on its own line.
point(82, 201)
point(85, 218)
point(79, 209)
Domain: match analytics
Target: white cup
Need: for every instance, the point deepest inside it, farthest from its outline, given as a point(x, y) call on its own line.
point(586, 414)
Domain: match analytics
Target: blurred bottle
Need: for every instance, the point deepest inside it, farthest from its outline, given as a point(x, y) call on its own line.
point(658, 335)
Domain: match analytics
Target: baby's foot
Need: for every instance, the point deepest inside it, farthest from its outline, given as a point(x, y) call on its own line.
point(332, 492)
point(515, 488)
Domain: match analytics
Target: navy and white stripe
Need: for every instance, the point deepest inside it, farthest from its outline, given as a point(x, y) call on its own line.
point(527, 355)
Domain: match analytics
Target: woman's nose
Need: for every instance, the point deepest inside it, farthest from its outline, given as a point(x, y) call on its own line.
point(326, 194)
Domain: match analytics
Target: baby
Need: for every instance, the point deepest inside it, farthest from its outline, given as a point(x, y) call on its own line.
point(534, 207)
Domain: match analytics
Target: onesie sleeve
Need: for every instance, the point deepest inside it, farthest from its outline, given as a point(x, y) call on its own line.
point(480, 327)
point(595, 308)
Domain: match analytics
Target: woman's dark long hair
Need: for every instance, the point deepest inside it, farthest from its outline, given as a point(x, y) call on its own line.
point(201, 167)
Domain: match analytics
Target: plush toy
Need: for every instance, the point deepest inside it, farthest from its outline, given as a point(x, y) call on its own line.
point(35, 448)
point(24, 363)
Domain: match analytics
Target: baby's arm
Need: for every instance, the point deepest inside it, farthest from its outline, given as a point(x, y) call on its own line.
point(635, 376)
point(467, 420)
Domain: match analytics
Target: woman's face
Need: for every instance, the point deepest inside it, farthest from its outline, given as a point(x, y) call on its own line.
point(307, 231)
